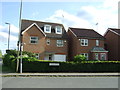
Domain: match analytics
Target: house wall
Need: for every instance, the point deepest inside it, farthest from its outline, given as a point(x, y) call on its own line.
point(112, 45)
point(75, 47)
point(34, 48)
point(53, 46)
point(99, 57)
point(72, 45)
point(86, 49)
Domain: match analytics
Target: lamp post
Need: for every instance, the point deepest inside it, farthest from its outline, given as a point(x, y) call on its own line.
point(8, 35)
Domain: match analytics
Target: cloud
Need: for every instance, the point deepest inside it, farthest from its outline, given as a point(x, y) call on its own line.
point(104, 13)
point(68, 20)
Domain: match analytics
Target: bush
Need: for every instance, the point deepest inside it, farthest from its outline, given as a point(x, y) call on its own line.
point(79, 58)
point(7, 59)
point(15, 53)
point(12, 52)
point(28, 53)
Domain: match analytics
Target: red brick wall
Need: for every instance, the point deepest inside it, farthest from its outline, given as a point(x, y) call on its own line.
point(76, 48)
point(41, 46)
point(34, 48)
point(53, 46)
point(112, 46)
point(72, 45)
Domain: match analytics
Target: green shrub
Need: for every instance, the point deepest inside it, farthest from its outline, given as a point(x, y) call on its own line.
point(28, 53)
point(12, 52)
point(79, 58)
point(7, 59)
point(24, 53)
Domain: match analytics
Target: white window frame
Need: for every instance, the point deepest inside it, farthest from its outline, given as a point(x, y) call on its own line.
point(56, 29)
point(84, 42)
point(97, 42)
point(37, 55)
point(60, 43)
point(85, 54)
point(48, 41)
point(36, 40)
point(101, 56)
point(45, 27)
point(96, 56)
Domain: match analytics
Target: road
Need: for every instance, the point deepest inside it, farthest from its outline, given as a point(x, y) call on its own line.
point(60, 82)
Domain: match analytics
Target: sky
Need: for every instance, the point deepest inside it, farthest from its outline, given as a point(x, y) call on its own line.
point(77, 14)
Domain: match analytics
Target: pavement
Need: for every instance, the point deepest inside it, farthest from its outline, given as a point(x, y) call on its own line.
point(60, 74)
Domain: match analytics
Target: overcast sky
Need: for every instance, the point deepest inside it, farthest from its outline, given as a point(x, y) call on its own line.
point(81, 14)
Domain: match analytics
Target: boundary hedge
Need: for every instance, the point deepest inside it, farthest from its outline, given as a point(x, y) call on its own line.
point(85, 66)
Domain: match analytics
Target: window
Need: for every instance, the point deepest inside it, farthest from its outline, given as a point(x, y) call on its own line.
point(48, 41)
point(103, 56)
point(50, 57)
point(34, 40)
point(58, 29)
point(96, 56)
point(37, 55)
point(47, 28)
point(84, 42)
point(59, 43)
point(85, 54)
point(97, 42)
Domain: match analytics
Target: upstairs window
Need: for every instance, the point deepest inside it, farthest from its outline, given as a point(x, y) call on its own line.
point(97, 42)
point(33, 40)
point(59, 43)
point(47, 29)
point(84, 42)
point(58, 29)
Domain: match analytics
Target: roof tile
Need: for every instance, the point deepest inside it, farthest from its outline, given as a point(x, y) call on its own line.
point(88, 33)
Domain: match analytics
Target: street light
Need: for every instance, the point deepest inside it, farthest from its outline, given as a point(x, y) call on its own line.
point(8, 35)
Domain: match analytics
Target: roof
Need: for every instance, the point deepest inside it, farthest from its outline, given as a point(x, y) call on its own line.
point(26, 23)
point(87, 33)
point(98, 49)
point(114, 30)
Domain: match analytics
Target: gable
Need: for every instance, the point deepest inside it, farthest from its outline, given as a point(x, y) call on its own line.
point(34, 24)
point(115, 31)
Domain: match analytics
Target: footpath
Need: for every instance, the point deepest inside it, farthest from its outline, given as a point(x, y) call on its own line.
point(60, 74)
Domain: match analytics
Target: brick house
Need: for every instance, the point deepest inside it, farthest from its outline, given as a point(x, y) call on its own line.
point(86, 42)
point(47, 40)
point(112, 36)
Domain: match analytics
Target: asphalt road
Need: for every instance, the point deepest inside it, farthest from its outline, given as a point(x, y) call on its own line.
point(60, 82)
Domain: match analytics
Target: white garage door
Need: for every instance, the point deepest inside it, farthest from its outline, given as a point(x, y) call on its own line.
point(58, 57)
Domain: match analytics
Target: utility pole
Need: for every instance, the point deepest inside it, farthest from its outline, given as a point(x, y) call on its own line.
point(19, 44)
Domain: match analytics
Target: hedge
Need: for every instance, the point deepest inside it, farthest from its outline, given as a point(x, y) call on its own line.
point(86, 66)
point(31, 64)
